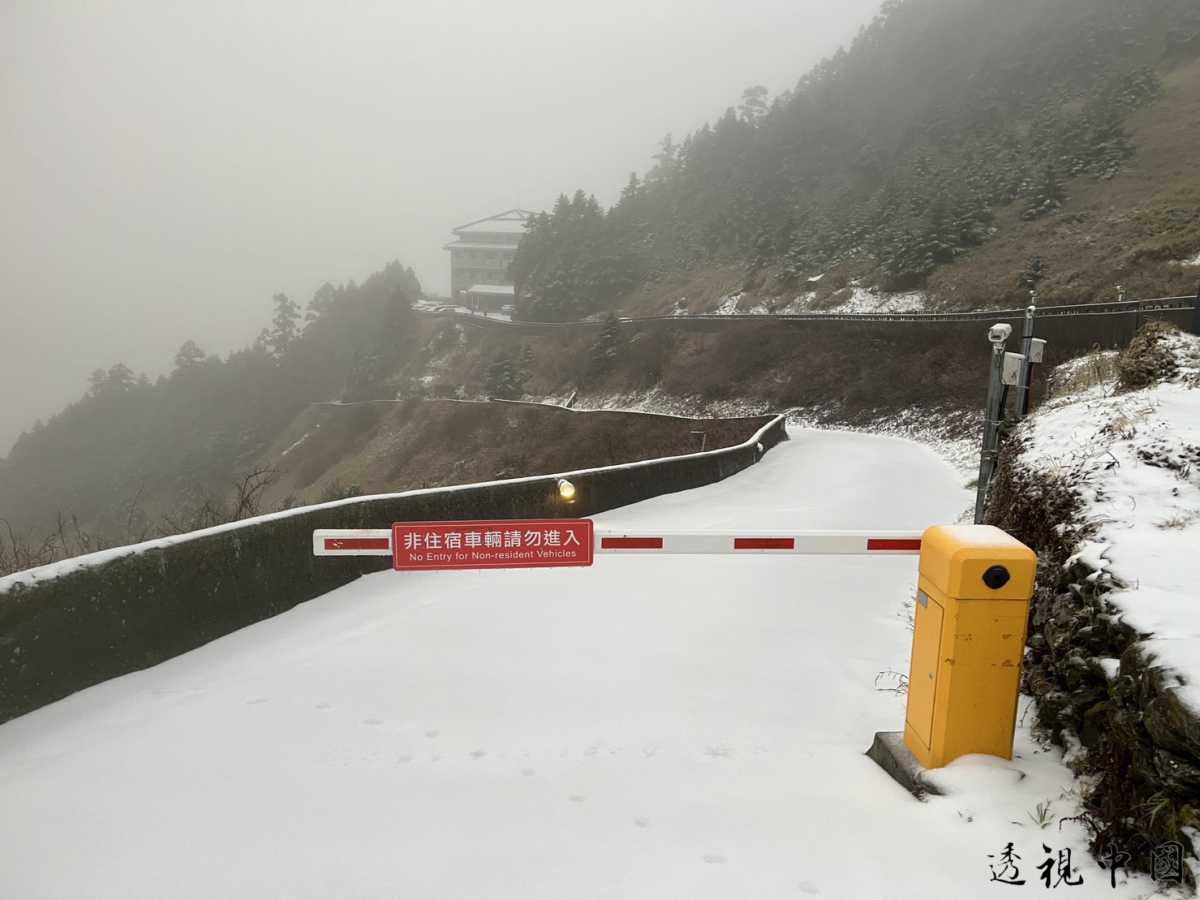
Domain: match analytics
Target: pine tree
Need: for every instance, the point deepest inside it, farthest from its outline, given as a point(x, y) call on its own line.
point(1034, 272)
point(503, 379)
point(754, 104)
point(607, 347)
point(189, 356)
point(321, 301)
point(1047, 197)
point(283, 325)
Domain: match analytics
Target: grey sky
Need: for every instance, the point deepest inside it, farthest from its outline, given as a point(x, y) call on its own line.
point(166, 167)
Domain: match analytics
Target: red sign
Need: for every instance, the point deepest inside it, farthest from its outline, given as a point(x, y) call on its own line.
point(501, 544)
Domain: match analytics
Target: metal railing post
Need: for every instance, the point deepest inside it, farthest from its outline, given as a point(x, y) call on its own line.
point(1027, 369)
point(1196, 313)
point(989, 451)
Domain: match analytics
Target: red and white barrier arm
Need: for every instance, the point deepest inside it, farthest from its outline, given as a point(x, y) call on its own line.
point(810, 543)
point(378, 542)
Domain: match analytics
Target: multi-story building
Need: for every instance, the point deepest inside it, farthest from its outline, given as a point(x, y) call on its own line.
point(480, 255)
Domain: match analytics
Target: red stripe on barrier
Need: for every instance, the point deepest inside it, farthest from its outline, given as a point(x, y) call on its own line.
point(893, 543)
point(764, 543)
point(358, 543)
point(631, 543)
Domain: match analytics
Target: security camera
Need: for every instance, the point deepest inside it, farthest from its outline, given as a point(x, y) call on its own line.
point(998, 334)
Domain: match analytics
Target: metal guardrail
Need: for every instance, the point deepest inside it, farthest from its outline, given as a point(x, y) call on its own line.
point(1117, 307)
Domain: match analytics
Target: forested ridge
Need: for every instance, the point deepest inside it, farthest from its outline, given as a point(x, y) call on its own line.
point(134, 457)
point(893, 156)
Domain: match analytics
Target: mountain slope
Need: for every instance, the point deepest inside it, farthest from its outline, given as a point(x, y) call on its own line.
point(947, 125)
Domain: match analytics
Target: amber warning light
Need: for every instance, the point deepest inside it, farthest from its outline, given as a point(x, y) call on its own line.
point(499, 544)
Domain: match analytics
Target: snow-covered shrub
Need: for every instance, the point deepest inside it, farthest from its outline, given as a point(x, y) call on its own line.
point(1149, 358)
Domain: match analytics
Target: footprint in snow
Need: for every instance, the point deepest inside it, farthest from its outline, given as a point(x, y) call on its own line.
point(641, 822)
point(527, 772)
point(323, 706)
point(432, 733)
point(372, 721)
point(478, 754)
point(714, 859)
point(404, 758)
point(577, 798)
point(807, 887)
point(256, 701)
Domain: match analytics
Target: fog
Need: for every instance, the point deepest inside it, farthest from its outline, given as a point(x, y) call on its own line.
point(166, 167)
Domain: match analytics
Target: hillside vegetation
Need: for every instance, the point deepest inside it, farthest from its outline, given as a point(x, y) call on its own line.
point(343, 398)
point(336, 451)
point(134, 456)
point(949, 144)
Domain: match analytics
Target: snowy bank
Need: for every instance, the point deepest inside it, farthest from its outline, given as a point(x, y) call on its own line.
point(1105, 483)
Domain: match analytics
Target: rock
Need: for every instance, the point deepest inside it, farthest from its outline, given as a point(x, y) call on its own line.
point(1094, 727)
point(1053, 707)
point(1173, 726)
point(1178, 775)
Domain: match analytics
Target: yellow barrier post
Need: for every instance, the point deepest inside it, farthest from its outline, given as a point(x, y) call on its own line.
point(972, 606)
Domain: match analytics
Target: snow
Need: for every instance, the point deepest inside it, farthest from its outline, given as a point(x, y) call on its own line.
point(458, 310)
point(508, 245)
point(650, 727)
point(728, 306)
point(863, 300)
point(953, 434)
point(800, 304)
point(493, 226)
point(1138, 458)
point(860, 300)
point(505, 290)
point(304, 437)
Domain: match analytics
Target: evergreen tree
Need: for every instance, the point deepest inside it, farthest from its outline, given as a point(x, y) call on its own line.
point(754, 104)
point(322, 301)
point(1047, 197)
point(1033, 274)
point(504, 379)
point(283, 325)
point(189, 356)
point(607, 347)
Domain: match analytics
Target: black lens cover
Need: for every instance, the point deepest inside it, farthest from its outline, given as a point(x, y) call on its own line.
point(996, 577)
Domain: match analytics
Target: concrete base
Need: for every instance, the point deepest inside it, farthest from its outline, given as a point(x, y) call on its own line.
point(894, 757)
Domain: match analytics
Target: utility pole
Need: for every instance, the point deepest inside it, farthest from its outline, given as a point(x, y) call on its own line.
point(1005, 370)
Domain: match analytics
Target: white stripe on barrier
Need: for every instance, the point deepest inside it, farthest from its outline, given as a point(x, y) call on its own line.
point(378, 542)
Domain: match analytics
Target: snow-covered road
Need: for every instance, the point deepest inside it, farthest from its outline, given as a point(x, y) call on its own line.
point(665, 727)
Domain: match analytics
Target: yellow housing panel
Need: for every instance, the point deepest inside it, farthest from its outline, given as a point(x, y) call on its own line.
point(922, 679)
point(968, 643)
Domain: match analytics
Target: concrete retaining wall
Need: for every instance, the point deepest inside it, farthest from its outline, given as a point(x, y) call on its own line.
point(70, 625)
